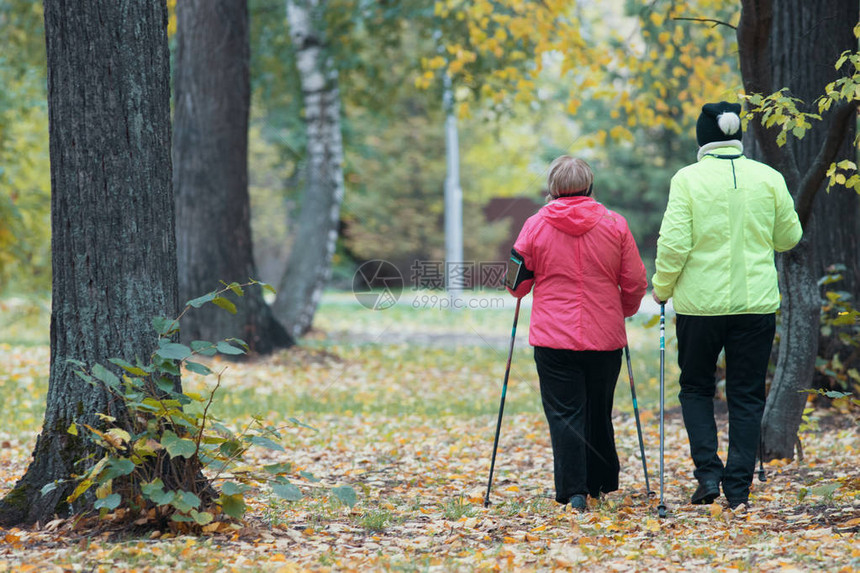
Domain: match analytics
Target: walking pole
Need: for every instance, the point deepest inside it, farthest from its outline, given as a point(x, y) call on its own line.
point(761, 475)
point(502, 404)
point(661, 508)
point(638, 424)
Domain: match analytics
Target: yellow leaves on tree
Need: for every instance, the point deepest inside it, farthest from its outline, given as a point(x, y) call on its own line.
point(654, 68)
point(503, 44)
point(678, 65)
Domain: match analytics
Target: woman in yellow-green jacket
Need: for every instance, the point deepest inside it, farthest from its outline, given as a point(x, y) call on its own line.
point(715, 258)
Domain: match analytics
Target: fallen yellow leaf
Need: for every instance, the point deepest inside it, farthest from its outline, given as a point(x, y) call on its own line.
point(715, 509)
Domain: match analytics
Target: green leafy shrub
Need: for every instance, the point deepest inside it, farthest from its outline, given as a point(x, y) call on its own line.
point(155, 456)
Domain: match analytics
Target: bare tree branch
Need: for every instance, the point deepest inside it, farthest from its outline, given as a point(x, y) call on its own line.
point(811, 182)
point(711, 20)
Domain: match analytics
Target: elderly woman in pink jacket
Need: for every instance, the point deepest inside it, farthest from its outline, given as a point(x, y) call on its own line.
point(587, 277)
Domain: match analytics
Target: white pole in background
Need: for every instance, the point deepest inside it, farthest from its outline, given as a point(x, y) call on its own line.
point(454, 264)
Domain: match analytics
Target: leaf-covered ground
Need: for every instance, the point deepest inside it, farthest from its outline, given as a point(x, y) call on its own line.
point(409, 425)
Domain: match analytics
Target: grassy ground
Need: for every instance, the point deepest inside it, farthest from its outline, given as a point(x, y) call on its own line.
point(403, 403)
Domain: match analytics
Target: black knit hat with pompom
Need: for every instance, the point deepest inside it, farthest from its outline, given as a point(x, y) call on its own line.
point(719, 122)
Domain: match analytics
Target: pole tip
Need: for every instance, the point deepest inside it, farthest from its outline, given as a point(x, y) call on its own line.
point(486, 502)
point(661, 510)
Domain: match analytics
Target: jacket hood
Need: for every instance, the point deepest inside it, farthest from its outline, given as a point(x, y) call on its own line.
point(573, 215)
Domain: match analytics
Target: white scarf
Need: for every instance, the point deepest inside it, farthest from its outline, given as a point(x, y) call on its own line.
point(717, 144)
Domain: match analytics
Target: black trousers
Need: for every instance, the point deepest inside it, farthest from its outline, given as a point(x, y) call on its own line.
point(747, 339)
point(576, 389)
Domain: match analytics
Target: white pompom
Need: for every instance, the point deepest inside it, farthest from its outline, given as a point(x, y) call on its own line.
point(729, 122)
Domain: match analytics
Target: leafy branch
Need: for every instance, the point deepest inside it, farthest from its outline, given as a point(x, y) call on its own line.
point(780, 111)
point(151, 470)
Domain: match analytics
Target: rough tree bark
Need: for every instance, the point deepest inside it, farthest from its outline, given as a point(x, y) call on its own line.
point(790, 43)
point(807, 42)
point(113, 243)
point(210, 157)
point(309, 267)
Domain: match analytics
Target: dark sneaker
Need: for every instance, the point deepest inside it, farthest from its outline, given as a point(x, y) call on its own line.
point(577, 503)
point(706, 493)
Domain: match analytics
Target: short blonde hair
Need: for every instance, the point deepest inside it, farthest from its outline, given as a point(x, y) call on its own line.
point(569, 176)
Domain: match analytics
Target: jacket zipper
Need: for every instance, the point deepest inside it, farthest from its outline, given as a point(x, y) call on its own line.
point(732, 159)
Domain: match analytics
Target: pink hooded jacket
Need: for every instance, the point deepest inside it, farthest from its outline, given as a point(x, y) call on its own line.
point(588, 275)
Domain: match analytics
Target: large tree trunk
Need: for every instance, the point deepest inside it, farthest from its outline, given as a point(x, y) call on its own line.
point(797, 349)
point(309, 266)
point(210, 156)
point(794, 44)
point(113, 242)
point(808, 38)
point(835, 221)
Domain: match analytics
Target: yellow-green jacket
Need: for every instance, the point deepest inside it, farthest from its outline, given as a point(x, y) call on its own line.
point(725, 218)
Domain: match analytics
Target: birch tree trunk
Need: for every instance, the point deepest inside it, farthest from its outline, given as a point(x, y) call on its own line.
point(794, 44)
point(113, 243)
point(210, 156)
point(309, 266)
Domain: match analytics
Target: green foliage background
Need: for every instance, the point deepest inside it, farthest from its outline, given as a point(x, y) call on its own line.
point(24, 168)
point(393, 135)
